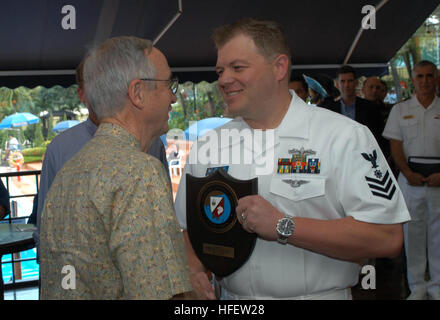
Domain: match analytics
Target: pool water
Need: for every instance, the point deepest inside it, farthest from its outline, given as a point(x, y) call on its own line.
point(29, 269)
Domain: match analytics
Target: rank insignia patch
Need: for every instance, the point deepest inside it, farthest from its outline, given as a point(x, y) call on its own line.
point(299, 162)
point(380, 187)
point(384, 188)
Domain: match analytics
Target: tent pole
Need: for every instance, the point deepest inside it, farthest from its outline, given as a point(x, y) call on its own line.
point(359, 34)
point(173, 20)
point(396, 81)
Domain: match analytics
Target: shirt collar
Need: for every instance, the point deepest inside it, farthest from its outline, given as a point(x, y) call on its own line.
point(111, 129)
point(345, 106)
point(237, 124)
point(296, 122)
point(416, 104)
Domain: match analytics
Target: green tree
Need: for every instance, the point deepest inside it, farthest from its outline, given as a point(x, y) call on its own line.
point(50, 133)
point(22, 100)
point(196, 102)
point(6, 107)
point(3, 138)
point(55, 99)
point(36, 101)
point(38, 135)
point(423, 45)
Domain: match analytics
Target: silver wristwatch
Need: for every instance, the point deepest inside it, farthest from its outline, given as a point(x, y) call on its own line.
point(285, 228)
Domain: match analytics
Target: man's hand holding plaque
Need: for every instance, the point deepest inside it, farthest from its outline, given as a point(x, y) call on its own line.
point(257, 215)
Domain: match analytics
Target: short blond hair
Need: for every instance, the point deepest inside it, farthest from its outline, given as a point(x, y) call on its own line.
point(267, 35)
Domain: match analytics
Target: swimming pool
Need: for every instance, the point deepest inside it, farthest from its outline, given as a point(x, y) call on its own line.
point(29, 269)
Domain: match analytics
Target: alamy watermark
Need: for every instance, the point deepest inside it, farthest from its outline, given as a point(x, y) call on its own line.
point(369, 280)
point(68, 22)
point(369, 21)
point(232, 147)
point(69, 280)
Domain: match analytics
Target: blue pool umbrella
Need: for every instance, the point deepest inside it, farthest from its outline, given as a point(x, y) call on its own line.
point(64, 125)
point(202, 126)
point(18, 120)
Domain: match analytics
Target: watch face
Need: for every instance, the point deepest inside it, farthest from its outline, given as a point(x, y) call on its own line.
point(285, 226)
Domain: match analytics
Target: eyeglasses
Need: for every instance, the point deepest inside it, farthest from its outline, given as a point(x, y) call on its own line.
point(173, 83)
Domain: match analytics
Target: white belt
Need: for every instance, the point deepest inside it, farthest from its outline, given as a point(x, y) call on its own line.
point(335, 294)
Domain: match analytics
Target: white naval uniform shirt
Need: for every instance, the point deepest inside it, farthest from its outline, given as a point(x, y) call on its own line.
point(417, 127)
point(277, 271)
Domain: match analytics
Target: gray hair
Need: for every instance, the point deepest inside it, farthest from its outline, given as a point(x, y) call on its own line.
point(111, 67)
point(424, 63)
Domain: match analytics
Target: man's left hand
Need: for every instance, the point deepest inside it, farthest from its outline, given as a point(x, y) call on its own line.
point(258, 215)
point(433, 180)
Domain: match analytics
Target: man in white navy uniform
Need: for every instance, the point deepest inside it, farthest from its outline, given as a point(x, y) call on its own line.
point(413, 128)
point(313, 225)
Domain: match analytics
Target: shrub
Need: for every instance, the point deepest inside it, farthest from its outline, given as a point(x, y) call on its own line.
point(39, 151)
point(38, 135)
point(29, 159)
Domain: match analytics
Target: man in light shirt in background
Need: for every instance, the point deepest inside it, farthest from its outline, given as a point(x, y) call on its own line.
point(413, 128)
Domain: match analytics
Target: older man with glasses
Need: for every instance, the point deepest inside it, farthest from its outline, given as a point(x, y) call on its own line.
point(68, 143)
point(109, 215)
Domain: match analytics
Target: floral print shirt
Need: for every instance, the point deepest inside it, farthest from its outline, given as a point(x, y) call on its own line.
point(109, 230)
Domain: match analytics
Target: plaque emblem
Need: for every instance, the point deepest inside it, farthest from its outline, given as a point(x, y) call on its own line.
point(217, 207)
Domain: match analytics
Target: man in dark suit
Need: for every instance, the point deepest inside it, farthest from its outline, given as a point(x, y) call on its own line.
point(369, 114)
point(358, 109)
point(375, 90)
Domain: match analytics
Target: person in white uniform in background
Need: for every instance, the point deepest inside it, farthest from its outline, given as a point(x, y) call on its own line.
point(312, 227)
point(413, 128)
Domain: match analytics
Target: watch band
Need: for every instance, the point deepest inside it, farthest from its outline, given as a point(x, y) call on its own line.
point(282, 239)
